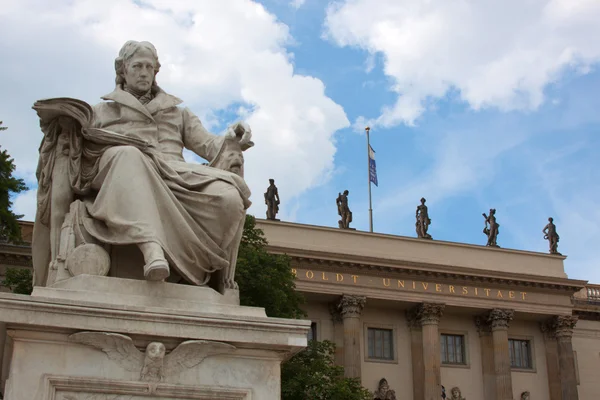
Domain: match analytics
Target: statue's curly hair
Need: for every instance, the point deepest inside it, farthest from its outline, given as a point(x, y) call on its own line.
point(127, 51)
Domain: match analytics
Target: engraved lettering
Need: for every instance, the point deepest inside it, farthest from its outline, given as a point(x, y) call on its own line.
point(339, 277)
point(487, 292)
point(425, 285)
point(355, 277)
point(294, 272)
point(400, 283)
point(324, 277)
point(438, 287)
point(475, 291)
point(523, 295)
point(451, 288)
point(386, 282)
point(414, 285)
point(511, 294)
point(465, 290)
point(500, 295)
point(309, 274)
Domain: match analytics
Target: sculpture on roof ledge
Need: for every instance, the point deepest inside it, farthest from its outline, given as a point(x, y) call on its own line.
point(551, 235)
point(343, 210)
point(491, 228)
point(423, 221)
point(272, 200)
point(113, 175)
point(383, 391)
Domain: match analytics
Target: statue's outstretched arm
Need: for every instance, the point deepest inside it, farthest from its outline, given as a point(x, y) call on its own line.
point(197, 139)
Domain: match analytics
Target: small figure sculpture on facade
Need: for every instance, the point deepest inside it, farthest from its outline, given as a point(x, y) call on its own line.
point(343, 210)
point(550, 234)
point(272, 200)
point(455, 394)
point(423, 221)
point(492, 231)
point(384, 392)
point(525, 395)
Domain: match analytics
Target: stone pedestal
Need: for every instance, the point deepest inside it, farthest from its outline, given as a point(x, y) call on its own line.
point(100, 338)
point(350, 308)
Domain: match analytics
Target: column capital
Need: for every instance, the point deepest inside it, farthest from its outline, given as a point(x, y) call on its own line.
point(351, 306)
point(497, 318)
point(425, 314)
point(334, 310)
point(547, 328)
point(564, 325)
point(483, 327)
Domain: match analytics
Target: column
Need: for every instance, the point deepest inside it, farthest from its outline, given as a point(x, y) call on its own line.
point(552, 366)
point(416, 351)
point(487, 357)
point(499, 320)
point(563, 327)
point(350, 308)
point(338, 333)
point(428, 315)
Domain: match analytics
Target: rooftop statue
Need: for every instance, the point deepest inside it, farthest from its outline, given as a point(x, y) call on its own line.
point(272, 200)
point(343, 210)
point(423, 220)
point(114, 175)
point(492, 230)
point(551, 235)
point(384, 392)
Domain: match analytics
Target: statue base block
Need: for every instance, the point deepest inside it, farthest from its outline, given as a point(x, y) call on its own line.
point(101, 338)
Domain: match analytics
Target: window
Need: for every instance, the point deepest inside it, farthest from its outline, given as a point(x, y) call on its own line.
point(453, 349)
point(520, 353)
point(312, 333)
point(381, 343)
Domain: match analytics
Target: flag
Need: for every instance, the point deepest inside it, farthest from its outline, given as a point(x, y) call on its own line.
point(372, 166)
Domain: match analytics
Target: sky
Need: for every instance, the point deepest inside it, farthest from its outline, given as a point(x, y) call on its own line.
point(472, 105)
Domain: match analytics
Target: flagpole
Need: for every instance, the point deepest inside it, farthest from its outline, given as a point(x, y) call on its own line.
point(367, 129)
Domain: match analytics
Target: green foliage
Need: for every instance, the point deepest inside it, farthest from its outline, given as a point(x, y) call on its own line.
point(313, 375)
point(9, 226)
point(19, 280)
point(266, 280)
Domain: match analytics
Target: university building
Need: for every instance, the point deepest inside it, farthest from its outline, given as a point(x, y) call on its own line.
point(422, 314)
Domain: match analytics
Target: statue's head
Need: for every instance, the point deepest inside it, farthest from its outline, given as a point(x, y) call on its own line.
point(383, 385)
point(155, 350)
point(492, 211)
point(346, 193)
point(550, 219)
point(230, 158)
point(455, 393)
point(422, 200)
point(525, 395)
point(272, 181)
point(137, 66)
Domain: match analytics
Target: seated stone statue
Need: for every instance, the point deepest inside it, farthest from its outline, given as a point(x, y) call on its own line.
point(384, 392)
point(183, 217)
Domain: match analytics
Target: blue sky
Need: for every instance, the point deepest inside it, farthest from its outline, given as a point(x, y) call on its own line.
point(471, 106)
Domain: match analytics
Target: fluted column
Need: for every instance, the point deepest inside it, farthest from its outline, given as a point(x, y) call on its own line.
point(416, 351)
point(428, 316)
point(487, 357)
point(350, 308)
point(499, 320)
point(552, 365)
point(563, 327)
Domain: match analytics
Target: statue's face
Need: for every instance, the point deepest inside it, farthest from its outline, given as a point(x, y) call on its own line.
point(455, 393)
point(155, 350)
point(384, 387)
point(231, 158)
point(139, 70)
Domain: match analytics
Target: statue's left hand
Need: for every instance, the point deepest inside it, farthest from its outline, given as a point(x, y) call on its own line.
point(242, 132)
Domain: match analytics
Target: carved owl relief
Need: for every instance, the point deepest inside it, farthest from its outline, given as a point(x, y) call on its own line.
point(154, 364)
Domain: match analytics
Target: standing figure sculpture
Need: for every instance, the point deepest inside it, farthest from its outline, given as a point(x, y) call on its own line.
point(383, 391)
point(423, 221)
point(455, 394)
point(492, 230)
point(119, 166)
point(550, 234)
point(272, 200)
point(343, 210)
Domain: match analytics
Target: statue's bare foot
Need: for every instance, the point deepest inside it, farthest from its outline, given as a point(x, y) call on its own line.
point(157, 267)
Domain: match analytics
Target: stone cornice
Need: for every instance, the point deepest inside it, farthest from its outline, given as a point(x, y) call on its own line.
point(378, 267)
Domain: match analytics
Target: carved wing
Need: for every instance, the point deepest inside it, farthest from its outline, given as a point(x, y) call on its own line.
point(191, 353)
point(119, 348)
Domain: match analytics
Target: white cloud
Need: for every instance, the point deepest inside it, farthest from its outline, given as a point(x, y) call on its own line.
point(216, 55)
point(497, 54)
point(297, 3)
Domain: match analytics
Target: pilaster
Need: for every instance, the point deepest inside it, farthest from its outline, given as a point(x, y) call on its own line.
point(552, 365)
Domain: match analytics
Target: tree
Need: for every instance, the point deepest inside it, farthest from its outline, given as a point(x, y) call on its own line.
point(266, 280)
point(19, 280)
point(9, 225)
point(313, 375)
